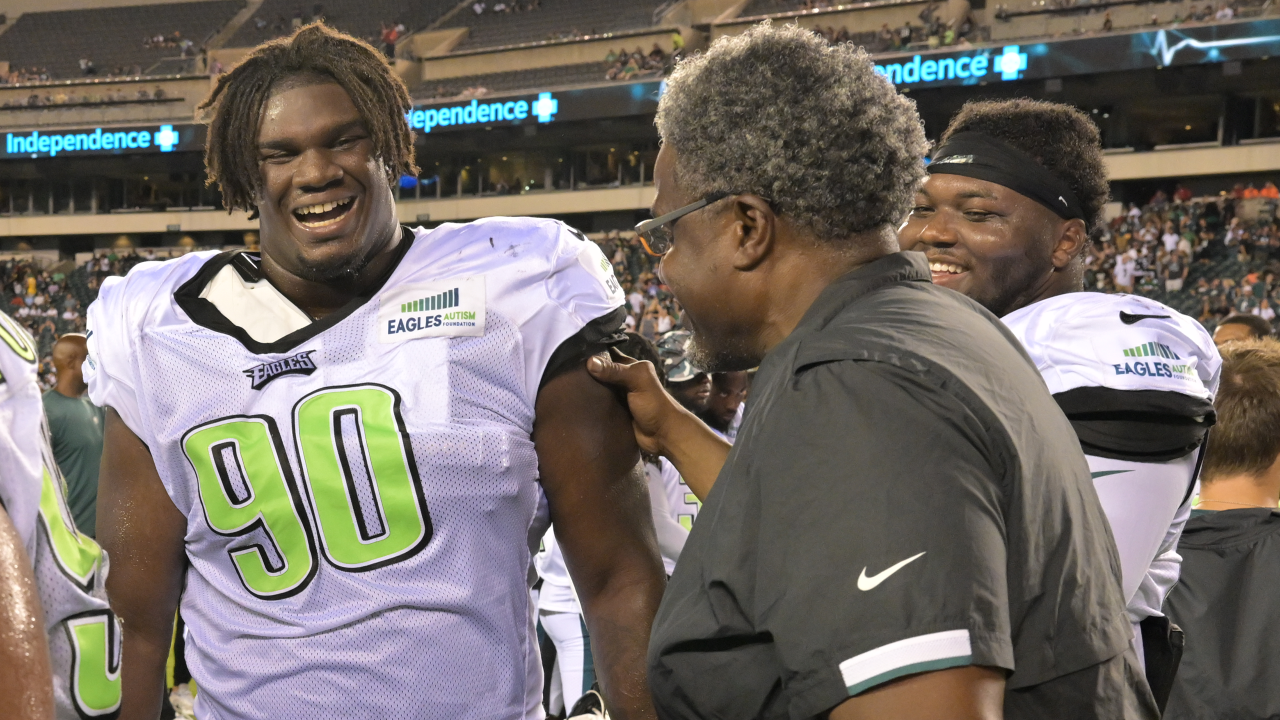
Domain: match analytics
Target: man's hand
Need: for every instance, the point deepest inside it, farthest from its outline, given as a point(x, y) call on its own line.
point(661, 425)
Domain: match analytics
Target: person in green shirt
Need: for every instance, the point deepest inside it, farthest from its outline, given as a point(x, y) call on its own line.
point(75, 427)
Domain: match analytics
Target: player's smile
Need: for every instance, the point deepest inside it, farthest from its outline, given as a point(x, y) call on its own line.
point(947, 271)
point(326, 203)
point(981, 239)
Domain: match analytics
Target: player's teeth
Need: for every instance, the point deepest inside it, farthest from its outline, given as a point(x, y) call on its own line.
point(942, 268)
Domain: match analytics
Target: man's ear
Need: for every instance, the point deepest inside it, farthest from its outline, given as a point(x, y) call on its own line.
point(755, 225)
point(1071, 243)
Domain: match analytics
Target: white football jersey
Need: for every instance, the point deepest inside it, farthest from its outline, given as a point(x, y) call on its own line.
point(683, 503)
point(70, 569)
point(1123, 342)
point(361, 494)
point(1128, 342)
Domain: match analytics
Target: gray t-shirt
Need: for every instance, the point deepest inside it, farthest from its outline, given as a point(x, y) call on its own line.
point(904, 496)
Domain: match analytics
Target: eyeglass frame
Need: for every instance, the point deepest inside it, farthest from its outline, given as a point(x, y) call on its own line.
point(648, 227)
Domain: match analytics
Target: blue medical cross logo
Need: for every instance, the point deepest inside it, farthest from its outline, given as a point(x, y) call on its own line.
point(166, 138)
point(1010, 63)
point(546, 107)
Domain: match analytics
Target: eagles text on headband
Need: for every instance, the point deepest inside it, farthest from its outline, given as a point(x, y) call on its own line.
point(983, 157)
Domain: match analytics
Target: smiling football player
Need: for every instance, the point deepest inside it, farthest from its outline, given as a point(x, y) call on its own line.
point(338, 456)
point(1014, 189)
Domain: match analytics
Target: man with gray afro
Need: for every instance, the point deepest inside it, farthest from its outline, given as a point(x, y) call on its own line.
point(906, 526)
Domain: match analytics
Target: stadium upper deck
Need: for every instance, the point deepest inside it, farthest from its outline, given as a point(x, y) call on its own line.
point(1176, 94)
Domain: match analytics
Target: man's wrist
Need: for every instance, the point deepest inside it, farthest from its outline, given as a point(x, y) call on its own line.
point(679, 429)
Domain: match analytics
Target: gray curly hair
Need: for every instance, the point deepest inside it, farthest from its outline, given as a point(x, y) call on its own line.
point(811, 127)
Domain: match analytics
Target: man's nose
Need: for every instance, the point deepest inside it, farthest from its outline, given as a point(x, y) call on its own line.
point(316, 171)
point(938, 232)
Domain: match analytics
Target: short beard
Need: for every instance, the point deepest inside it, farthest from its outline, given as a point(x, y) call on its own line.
point(342, 272)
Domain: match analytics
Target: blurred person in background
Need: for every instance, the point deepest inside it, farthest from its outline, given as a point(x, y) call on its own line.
point(1226, 600)
point(906, 526)
point(692, 388)
point(75, 429)
point(1234, 328)
point(1014, 191)
point(725, 404)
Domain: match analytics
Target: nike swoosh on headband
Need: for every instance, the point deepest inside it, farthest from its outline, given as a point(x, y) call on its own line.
point(1130, 318)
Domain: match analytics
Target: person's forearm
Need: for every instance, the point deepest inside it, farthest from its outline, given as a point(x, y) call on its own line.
point(696, 451)
point(145, 653)
point(619, 618)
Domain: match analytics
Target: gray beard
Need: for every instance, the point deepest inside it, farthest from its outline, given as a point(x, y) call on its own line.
point(730, 356)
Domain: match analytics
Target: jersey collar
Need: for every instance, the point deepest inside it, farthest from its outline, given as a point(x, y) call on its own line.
point(248, 265)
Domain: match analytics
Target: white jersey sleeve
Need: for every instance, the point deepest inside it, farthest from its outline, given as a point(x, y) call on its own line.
point(1122, 342)
point(20, 435)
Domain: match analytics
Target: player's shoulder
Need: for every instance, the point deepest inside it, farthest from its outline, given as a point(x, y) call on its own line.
point(1087, 314)
point(500, 241)
point(152, 279)
point(519, 252)
point(1116, 340)
point(17, 357)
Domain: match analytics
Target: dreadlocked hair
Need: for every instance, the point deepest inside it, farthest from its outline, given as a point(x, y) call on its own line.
point(236, 101)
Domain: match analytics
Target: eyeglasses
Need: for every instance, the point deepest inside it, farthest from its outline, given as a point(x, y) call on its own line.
point(657, 234)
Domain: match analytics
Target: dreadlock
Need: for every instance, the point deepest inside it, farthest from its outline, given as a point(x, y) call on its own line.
point(236, 100)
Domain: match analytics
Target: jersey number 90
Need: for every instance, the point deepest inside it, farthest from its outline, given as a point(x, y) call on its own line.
point(359, 482)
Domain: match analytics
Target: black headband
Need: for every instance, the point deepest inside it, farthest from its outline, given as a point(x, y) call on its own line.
point(983, 157)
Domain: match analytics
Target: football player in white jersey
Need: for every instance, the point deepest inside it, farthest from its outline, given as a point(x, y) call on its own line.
point(337, 458)
point(81, 638)
point(1013, 191)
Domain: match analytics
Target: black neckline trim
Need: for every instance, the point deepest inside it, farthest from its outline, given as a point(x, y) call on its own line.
point(206, 314)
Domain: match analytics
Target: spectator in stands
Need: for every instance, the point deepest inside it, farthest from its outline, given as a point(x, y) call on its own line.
point(75, 431)
point(1225, 601)
point(1269, 190)
point(1225, 12)
point(1174, 271)
point(1236, 328)
point(1125, 267)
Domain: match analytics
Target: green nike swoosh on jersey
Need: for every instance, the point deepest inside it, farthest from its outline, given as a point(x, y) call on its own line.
point(1104, 473)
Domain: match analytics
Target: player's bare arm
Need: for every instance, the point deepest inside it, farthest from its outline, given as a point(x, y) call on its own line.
point(588, 458)
point(26, 691)
point(143, 533)
point(661, 425)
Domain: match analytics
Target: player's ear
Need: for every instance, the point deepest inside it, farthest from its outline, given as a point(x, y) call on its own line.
point(1070, 244)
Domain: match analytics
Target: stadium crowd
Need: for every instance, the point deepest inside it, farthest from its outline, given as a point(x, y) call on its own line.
point(1209, 257)
point(1200, 255)
point(113, 96)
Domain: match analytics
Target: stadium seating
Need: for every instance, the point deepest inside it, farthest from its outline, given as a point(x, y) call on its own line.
point(553, 20)
point(362, 18)
point(111, 37)
point(537, 78)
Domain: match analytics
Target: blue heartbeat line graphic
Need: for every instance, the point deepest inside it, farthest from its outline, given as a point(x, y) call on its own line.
point(1161, 49)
